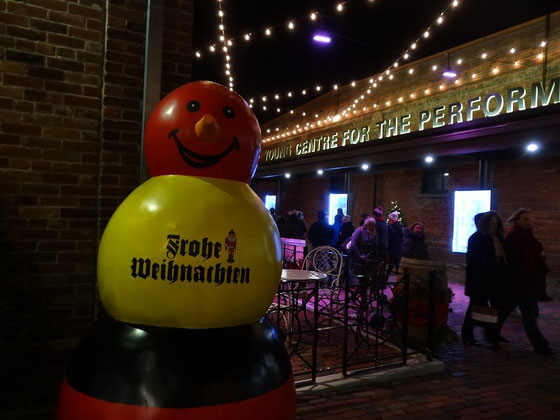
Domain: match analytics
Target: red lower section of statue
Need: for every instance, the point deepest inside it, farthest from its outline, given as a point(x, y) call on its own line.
point(278, 404)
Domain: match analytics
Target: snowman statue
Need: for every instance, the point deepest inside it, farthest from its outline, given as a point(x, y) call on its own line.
point(187, 267)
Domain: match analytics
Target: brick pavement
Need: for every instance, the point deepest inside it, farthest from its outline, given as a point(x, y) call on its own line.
point(478, 382)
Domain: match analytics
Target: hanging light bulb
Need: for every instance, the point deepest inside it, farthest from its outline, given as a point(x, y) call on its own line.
point(449, 72)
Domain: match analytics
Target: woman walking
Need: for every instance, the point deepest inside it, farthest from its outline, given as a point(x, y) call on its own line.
point(486, 274)
point(528, 277)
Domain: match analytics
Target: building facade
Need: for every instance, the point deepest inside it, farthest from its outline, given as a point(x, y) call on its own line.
point(476, 127)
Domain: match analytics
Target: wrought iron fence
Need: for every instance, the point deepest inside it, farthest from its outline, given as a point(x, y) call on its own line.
point(358, 323)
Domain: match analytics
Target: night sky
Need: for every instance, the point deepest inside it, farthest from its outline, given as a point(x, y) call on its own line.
point(366, 38)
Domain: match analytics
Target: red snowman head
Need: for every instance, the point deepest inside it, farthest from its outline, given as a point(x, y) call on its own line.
point(203, 129)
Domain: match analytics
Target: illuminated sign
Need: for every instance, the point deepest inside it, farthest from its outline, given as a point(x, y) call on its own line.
point(491, 105)
point(467, 204)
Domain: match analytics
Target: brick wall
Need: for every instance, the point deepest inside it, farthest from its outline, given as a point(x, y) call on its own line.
point(71, 85)
point(533, 182)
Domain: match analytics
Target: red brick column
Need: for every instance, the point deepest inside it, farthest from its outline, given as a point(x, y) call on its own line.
point(71, 86)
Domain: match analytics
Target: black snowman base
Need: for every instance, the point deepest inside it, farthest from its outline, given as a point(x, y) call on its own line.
point(125, 371)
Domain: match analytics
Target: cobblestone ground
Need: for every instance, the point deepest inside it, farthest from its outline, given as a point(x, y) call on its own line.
point(479, 382)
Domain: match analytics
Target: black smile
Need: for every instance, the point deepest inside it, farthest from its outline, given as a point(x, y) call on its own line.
point(196, 160)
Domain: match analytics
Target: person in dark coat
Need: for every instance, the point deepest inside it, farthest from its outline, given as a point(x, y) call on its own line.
point(345, 233)
point(336, 226)
point(294, 228)
point(486, 274)
point(413, 242)
point(382, 232)
point(528, 277)
point(320, 233)
point(282, 224)
point(394, 250)
point(364, 250)
point(339, 215)
point(363, 217)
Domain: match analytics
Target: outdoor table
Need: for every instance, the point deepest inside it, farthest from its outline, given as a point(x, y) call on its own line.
point(295, 275)
point(298, 287)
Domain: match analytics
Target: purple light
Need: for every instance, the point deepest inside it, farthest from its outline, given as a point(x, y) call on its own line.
point(325, 39)
point(449, 73)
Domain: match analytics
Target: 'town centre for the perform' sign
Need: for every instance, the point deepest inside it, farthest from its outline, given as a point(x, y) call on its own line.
point(489, 106)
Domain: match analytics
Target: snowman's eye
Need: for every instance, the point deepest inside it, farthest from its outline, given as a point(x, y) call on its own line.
point(228, 112)
point(193, 106)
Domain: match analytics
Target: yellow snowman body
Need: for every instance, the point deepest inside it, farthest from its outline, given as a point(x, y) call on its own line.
point(189, 252)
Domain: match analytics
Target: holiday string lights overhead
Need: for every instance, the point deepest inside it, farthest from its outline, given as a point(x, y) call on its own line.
point(387, 73)
point(222, 37)
point(268, 31)
point(495, 68)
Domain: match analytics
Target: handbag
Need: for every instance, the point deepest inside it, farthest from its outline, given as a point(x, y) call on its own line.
point(485, 314)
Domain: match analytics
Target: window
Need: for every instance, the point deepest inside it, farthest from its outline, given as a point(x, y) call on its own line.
point(466, 205)
point(337, 201)
point(269, 201)
point(435, 181)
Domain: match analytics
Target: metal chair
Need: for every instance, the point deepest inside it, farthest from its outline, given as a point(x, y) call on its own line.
point(327, 260)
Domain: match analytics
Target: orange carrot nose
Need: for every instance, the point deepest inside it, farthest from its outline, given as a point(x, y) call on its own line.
point(207, 129)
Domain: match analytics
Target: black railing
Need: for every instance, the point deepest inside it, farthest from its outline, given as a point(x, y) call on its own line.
point(360, 322)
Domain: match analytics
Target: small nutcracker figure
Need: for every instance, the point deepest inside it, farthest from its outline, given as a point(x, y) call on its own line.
point(231, 243)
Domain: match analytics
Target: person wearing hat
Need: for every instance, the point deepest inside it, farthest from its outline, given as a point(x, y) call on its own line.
point(394, 250)
point(528, 277)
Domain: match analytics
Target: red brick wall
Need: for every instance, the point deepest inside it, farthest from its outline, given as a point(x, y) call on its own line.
point(177, 44)
point(71, 85)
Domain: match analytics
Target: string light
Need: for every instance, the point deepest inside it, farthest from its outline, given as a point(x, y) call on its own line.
point(404, 56)
point(412, 95)
point(222, 37)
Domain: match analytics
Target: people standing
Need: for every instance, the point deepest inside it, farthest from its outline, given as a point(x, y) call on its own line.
point(528, 277)
point(295, 227)
point(364, 251)
point(363, 217)
point(345, 233)
point(485, 275)
point(336, 226)
point(413, 242)
point(320, 233)
point(382, 232)
point(339, 215)
point(394, 250)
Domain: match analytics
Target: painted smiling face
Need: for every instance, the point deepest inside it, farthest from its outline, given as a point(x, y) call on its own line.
point(203, 129)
